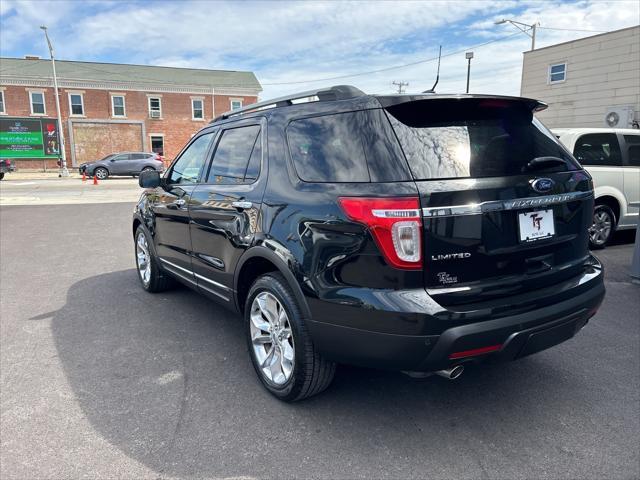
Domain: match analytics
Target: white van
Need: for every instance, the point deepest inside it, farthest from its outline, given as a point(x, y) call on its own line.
point(612, 157)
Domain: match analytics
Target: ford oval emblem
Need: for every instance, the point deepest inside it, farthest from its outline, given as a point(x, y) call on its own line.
point(542, 185)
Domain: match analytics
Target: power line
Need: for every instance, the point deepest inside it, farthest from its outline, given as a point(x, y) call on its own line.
point(386, 69)
point(573, 30)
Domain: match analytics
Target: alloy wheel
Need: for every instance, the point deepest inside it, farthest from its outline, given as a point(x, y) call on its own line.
point(143, 258)
point(272, 338)
point(101, 174)
point(600, 231)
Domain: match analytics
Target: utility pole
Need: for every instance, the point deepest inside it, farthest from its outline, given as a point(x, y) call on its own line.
point(468, 56)
point(63, 155)
point(401, 86)
point(519, 26)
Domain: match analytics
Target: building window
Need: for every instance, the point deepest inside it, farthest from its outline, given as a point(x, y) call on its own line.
point(37, 103)
point(76, 104)
point(117, 106)
point(2, 109)
point(236, 104)
point(557, 73)
point(155, 107)
point(197, 109)
point(157, 144)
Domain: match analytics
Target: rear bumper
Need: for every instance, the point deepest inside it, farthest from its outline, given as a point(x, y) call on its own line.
point(509, 337)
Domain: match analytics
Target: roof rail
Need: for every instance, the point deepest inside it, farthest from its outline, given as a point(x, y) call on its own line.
point(337, 92)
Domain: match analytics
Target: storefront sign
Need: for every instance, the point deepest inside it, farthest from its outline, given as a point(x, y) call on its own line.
point(29, 138)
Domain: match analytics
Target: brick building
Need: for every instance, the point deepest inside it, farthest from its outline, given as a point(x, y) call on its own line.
point(110, 107)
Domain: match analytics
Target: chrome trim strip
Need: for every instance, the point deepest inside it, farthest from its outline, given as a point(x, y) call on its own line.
point(441, 291)
point(501, 205)
point(219, 285)
point(212, 282)
point(176, 266)
point(172, 266)
point(226, 299)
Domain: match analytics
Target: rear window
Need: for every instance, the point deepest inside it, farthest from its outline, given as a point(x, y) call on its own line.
point(475, 138)
point(346, 147)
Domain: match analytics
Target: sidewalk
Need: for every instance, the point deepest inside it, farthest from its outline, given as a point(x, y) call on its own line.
point(20, 175)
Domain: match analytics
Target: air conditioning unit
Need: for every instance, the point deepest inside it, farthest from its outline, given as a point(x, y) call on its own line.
point(619, 117)
point(154, 114)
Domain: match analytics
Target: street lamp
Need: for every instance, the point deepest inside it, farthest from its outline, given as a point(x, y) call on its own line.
point(63, 156)
point(519, 26)
point(468, 56)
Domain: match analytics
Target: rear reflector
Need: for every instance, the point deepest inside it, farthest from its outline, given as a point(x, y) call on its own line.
point(396, 226)
point(475, 352)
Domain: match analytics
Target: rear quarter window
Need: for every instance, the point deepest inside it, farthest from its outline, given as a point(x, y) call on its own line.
point(633, 149)
point(346, 147)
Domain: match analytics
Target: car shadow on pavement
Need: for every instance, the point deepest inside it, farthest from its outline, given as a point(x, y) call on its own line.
point(167, 379)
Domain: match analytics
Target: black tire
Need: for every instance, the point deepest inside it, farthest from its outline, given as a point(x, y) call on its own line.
point(147, 169)
point(602, 228)
point(1, 175)
point(311, 373)
point(101, 173)
point(158, 280)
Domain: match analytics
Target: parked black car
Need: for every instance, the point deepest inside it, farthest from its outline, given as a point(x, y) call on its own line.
point(124, 163)
point(406, 232)
point(6, 166)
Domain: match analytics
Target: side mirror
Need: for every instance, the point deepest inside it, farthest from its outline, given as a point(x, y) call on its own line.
point(149, 179)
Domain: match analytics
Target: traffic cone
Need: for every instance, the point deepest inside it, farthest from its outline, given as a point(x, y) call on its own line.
point(84, 176)
point(95, 180)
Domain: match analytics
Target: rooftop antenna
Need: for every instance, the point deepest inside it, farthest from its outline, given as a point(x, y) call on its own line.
point(433, 89)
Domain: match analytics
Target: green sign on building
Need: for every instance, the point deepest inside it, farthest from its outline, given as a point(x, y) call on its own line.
point(29, 138)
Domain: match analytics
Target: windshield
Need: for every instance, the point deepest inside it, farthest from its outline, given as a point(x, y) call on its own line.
point(107, 157)
point(475, 138)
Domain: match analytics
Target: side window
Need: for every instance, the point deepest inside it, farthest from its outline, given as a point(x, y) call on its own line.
point(187, 168)
point(119, 158)
point(253, 168)
point(633, 149)
point(598, 149)
point(230, 164)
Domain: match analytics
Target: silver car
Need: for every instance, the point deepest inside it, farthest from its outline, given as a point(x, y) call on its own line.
point(123, 163)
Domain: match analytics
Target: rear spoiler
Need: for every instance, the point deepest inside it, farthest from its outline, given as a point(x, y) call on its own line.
point(488, 100)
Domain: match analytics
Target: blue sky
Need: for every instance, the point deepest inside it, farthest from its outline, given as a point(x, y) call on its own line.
point(294, 46)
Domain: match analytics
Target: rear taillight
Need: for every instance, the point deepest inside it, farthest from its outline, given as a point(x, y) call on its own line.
point(396, 226)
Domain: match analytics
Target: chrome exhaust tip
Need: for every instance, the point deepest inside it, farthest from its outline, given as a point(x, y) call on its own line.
point(451, 373)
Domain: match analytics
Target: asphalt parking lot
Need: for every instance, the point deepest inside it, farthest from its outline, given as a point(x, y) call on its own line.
point(99, 379)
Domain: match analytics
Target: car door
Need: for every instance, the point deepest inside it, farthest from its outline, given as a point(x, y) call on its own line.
point(225, 208)
point(171, 210)
point(136, 163)
point(118, 164)
point(632, 175)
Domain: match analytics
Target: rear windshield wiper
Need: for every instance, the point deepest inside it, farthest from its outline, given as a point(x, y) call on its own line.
point(546, 162)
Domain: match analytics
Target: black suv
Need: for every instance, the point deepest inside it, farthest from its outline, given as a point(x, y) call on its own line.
point(408, 232)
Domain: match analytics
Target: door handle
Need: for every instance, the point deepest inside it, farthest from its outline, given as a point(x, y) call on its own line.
point(242, 205)
point(177, 203)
